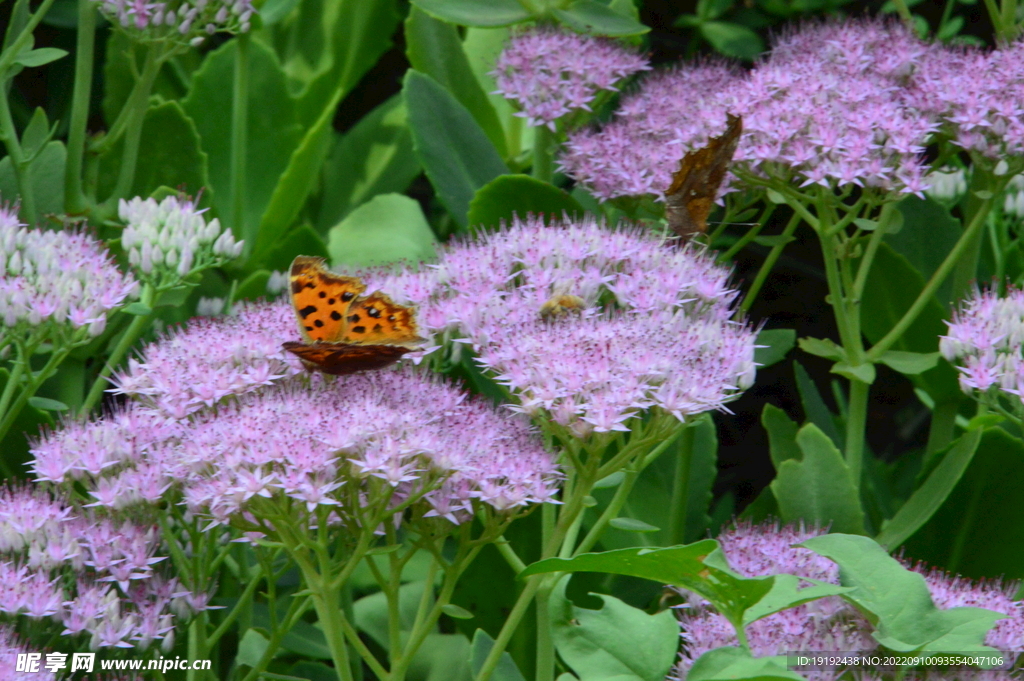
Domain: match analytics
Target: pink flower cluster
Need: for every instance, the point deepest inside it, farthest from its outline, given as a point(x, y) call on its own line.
point(549, 73)
point(656, 331)
point(985, 340)
point(199, 365)
point(10, 648)
point(59, 277)
point(834, 104)
point(186, 20)
point(828, 624)
point(92, 574)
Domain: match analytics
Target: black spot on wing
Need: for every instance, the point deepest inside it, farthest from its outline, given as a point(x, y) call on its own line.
point(306, 311)
point(347, 296)
point(297, 286)
point(334, 315)
point(373, 312)
point(377, 328)
point(359, 329)
point(353, 318)
point(323, 294)
point(318, 324)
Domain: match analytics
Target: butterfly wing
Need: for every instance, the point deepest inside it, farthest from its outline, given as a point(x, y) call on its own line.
point(691, 195)
point(377, 320)
point(340, 358)
point(321, 299)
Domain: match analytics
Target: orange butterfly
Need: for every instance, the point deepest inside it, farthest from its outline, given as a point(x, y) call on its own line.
point(344, 331)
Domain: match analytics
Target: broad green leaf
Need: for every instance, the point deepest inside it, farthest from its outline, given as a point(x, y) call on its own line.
point(617, 641)
point(732, 40)
point(251, 648)
point(482, 13)
point(252, 287)
point(897, 600)
point(700, 567)
point(371, 612)
point(892, 287)
point(786, 592)
point(303, 638)
point(861, 372)
point(776, 343)
point(507, 196)
point(734, 664)
point(927, 499)
point(46, 404)
point(977, 530)
point(169, 155)
point(928, 235)
point(62, 14)
point(822, 347)
point(138, 309)
point(328, 45)
point(374, 157)
point(700, 478)
point(297, 181)
point(273, 11)
point(36, 134)
point(481, 647)
point(119, 75)
point(589, 16)
point(40, 57)
point(273, 131)
point(443, 657)
point(455, 153)
point(47, 180)
point(388, 228)
point(482, 47)
point(818, 489)
point(434, 48)
point(301, 240)
point(782, 432)
point(815, 410)
point(909, 362)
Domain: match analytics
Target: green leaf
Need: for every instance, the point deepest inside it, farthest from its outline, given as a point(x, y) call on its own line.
point(776, 343)
point(950, 28)
point(782, 432)
point(251, 648)
point(861, 372)
point(481, 647)
point(617, 641)
point(455, 611)
point(302, 240)
point(169, 154)
point(815, 410)
point(455, 153)
point(47, 180)
point(44, 55)
point(734, 664)
point(388, 228)
point(297, 181)
point(274, 130)
point(927, 499)
point(909, 362)
point(273, 11)
point(510, 195)
point(865, 224)
point(176, 296)
point(481, 13)
point(632, 525)
point(374, 157)
point(892, 286)
point(28, 424)
point(252, 287)
point(702, 568)
point(818, 489)
point(822, 347)
point(775, 197)
point(929, 234)
point(732, 40)
point(898, 600)
point(46, 404)
point(434, 48)
point(482, 47)
point(977, 530)
point(371, 612)
point(138, 309)
point(588, 16)
point(37, 133)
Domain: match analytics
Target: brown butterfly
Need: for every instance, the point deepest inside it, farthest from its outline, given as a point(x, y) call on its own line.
point(691, 195)
point(345, 332)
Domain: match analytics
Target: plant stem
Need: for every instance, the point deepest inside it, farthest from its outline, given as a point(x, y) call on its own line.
point(545, 639)
point(766, 214)
point(509, 627)
point(56, 357)
point(543, 155)
point(856, 425)
point(22, 168)
point(966, 271)
point(131, 334)
point(769, 263)
point(74, 199)
point(239, 132)
point(934, 282)
point(904, 11)
point(681, 487)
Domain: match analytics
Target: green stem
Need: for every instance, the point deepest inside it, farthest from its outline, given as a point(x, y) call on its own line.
point(766, 214)
point(508, 628)
point(856, 425)
point(869, 253)
point(509, 554)
point(545, 638)
point(904, 11)
point(56, 357)
point(20, 165)
point(239, 131)
point(933, 284)
point(543, 154)
point(295, 611)
point(21, 43)
point(74, 199)
point(769, 263)
point(681, 487)
point(131, 334)
point(966, 271)
point(136, 107)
